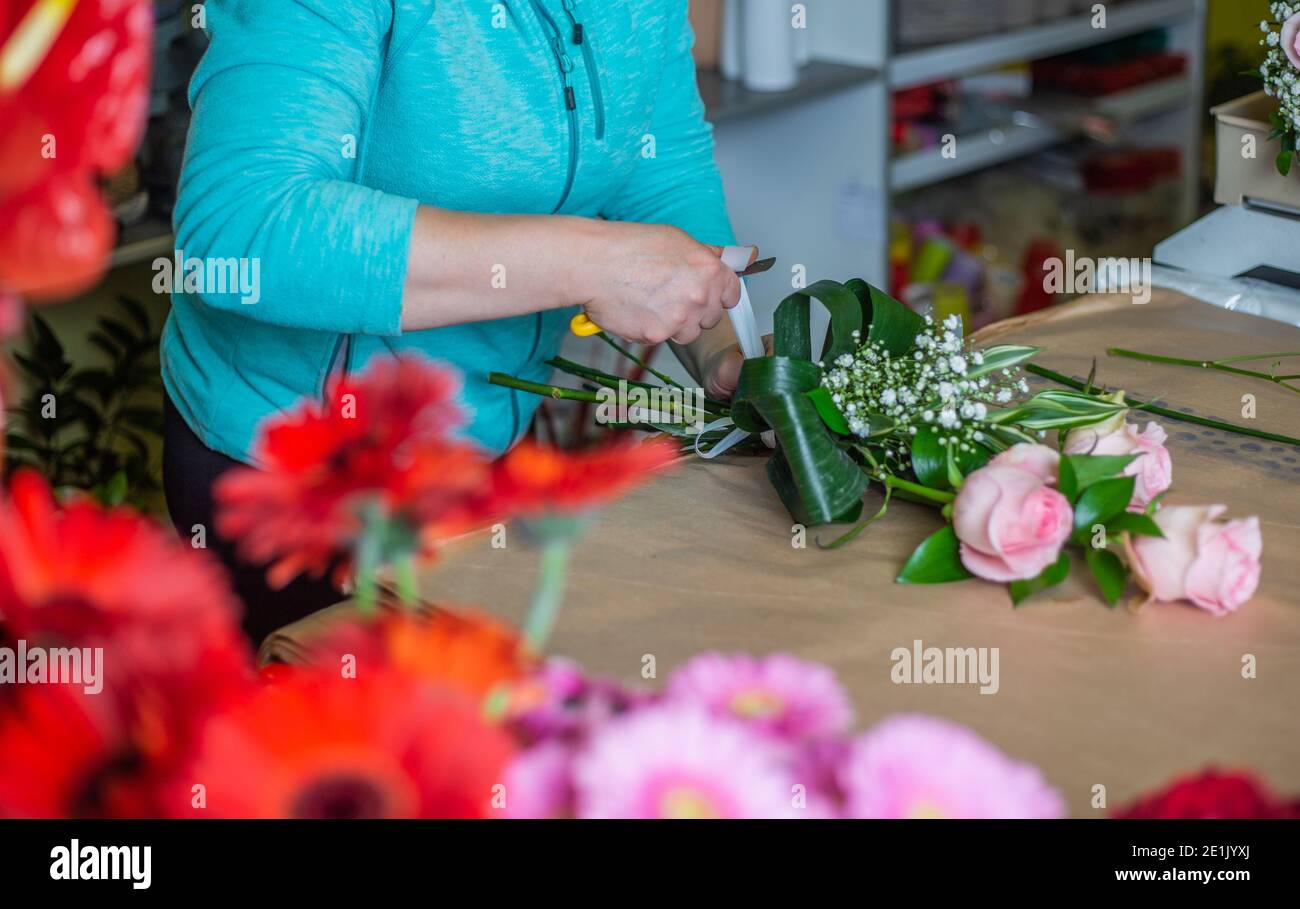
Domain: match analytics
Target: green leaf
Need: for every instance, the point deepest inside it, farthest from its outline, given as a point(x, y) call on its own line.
point(1134, 523)
point(114, 491)
point(930, 460)
point(1284, 160)
point(1109, 571)
point(1003, 356)
point(791, 334)
point(829, 413)
point(816, 478)
point(1102, 501)
point(1052, 575)
point(893, 325)
point(1078, 472)
point(935, 561)
point(1057, 409)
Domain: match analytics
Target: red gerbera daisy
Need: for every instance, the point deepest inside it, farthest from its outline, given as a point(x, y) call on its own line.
point(62, 755)
point(1212, 794)
point(373, 461)
point(316, 745)
point(85, 576)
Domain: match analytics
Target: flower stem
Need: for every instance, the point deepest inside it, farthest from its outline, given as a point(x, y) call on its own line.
point(1165, 411)
point(1220, 365)
point(407, 587)
point(548, 595)
point(609, 381)
point(936, 496)
point(539, 388)
point(667, 380)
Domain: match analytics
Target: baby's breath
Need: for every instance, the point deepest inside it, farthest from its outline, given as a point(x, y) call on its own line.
point(929, 386)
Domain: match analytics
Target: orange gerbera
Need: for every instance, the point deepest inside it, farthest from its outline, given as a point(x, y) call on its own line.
point(468, 651)
point(316, 745)
point(374, 460)
point(532, 480)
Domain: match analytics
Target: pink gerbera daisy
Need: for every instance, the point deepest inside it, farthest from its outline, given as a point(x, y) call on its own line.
point(677, 761)
point(539, 782)
point(916, 766)
point(779, 694)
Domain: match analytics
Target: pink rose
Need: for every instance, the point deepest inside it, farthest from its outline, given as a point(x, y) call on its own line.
point(1011, 524)
point(1214, 565)
point(1152, 469)
point(1041, 460)
point(1291, 39)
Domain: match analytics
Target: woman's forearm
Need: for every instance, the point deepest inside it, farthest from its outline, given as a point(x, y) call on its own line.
point(647, 283)
point(469, 267)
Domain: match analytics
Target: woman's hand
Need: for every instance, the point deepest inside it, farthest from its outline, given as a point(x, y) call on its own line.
point(651, 283)
point(721, 371)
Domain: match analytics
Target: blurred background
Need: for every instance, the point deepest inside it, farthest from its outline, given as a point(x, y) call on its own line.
point(941, 148)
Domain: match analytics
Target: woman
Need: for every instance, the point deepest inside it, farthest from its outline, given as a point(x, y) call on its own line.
point(450, 178)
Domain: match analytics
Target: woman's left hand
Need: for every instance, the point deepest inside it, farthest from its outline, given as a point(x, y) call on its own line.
point(721, 371)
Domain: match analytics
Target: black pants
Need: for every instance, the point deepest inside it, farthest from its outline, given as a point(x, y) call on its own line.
point(190, 469)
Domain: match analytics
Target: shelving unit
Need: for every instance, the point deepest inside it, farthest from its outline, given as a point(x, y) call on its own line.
point(811, 175)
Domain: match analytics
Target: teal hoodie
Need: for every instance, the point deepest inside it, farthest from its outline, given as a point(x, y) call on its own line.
point(318, 127)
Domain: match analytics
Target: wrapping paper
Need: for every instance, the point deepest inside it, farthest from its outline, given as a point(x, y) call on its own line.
point(703, 559)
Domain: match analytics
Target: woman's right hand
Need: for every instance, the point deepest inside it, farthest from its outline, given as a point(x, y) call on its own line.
point(650, 283)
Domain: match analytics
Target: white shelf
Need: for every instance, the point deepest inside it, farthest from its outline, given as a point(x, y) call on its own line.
point(974, 152)
point(946, 61)
point(977, 151)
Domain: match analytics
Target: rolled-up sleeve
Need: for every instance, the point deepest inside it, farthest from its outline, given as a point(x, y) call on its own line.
point(280, 103)
point(680, 185)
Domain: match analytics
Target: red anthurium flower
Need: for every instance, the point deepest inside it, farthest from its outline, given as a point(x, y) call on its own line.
point(318, 745)
point(375, 458)
point(1212, 794)
point(74, 81)
point(80, 575)
point(532, 480)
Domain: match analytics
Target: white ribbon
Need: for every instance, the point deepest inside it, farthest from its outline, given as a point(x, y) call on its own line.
point(751, 345)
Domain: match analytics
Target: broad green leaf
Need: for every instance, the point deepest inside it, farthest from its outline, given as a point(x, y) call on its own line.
point(829, 413)
point(1087, 470)
point(1109, 571)
point(893, 325)
point(1134, 523)
point(935, 561)
point(818, 481)
point(790, 323)
point(1052, 575)
point(930, 459)
point(1102, 501)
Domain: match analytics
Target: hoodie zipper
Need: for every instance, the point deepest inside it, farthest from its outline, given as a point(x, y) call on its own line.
point(582, 39)
point(565, 66)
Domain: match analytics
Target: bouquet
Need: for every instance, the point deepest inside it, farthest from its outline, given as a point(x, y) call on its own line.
point(895, 399)
point(1281, 74)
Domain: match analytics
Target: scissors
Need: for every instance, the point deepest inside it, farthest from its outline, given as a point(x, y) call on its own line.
point(583, 327)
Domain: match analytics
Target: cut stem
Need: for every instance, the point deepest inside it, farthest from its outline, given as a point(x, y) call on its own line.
point(1166, 412)
point(541, 388)
point(1219, 365)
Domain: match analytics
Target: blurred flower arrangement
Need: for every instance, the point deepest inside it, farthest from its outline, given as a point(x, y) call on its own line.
point(1281, 74)
point(414, 710)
